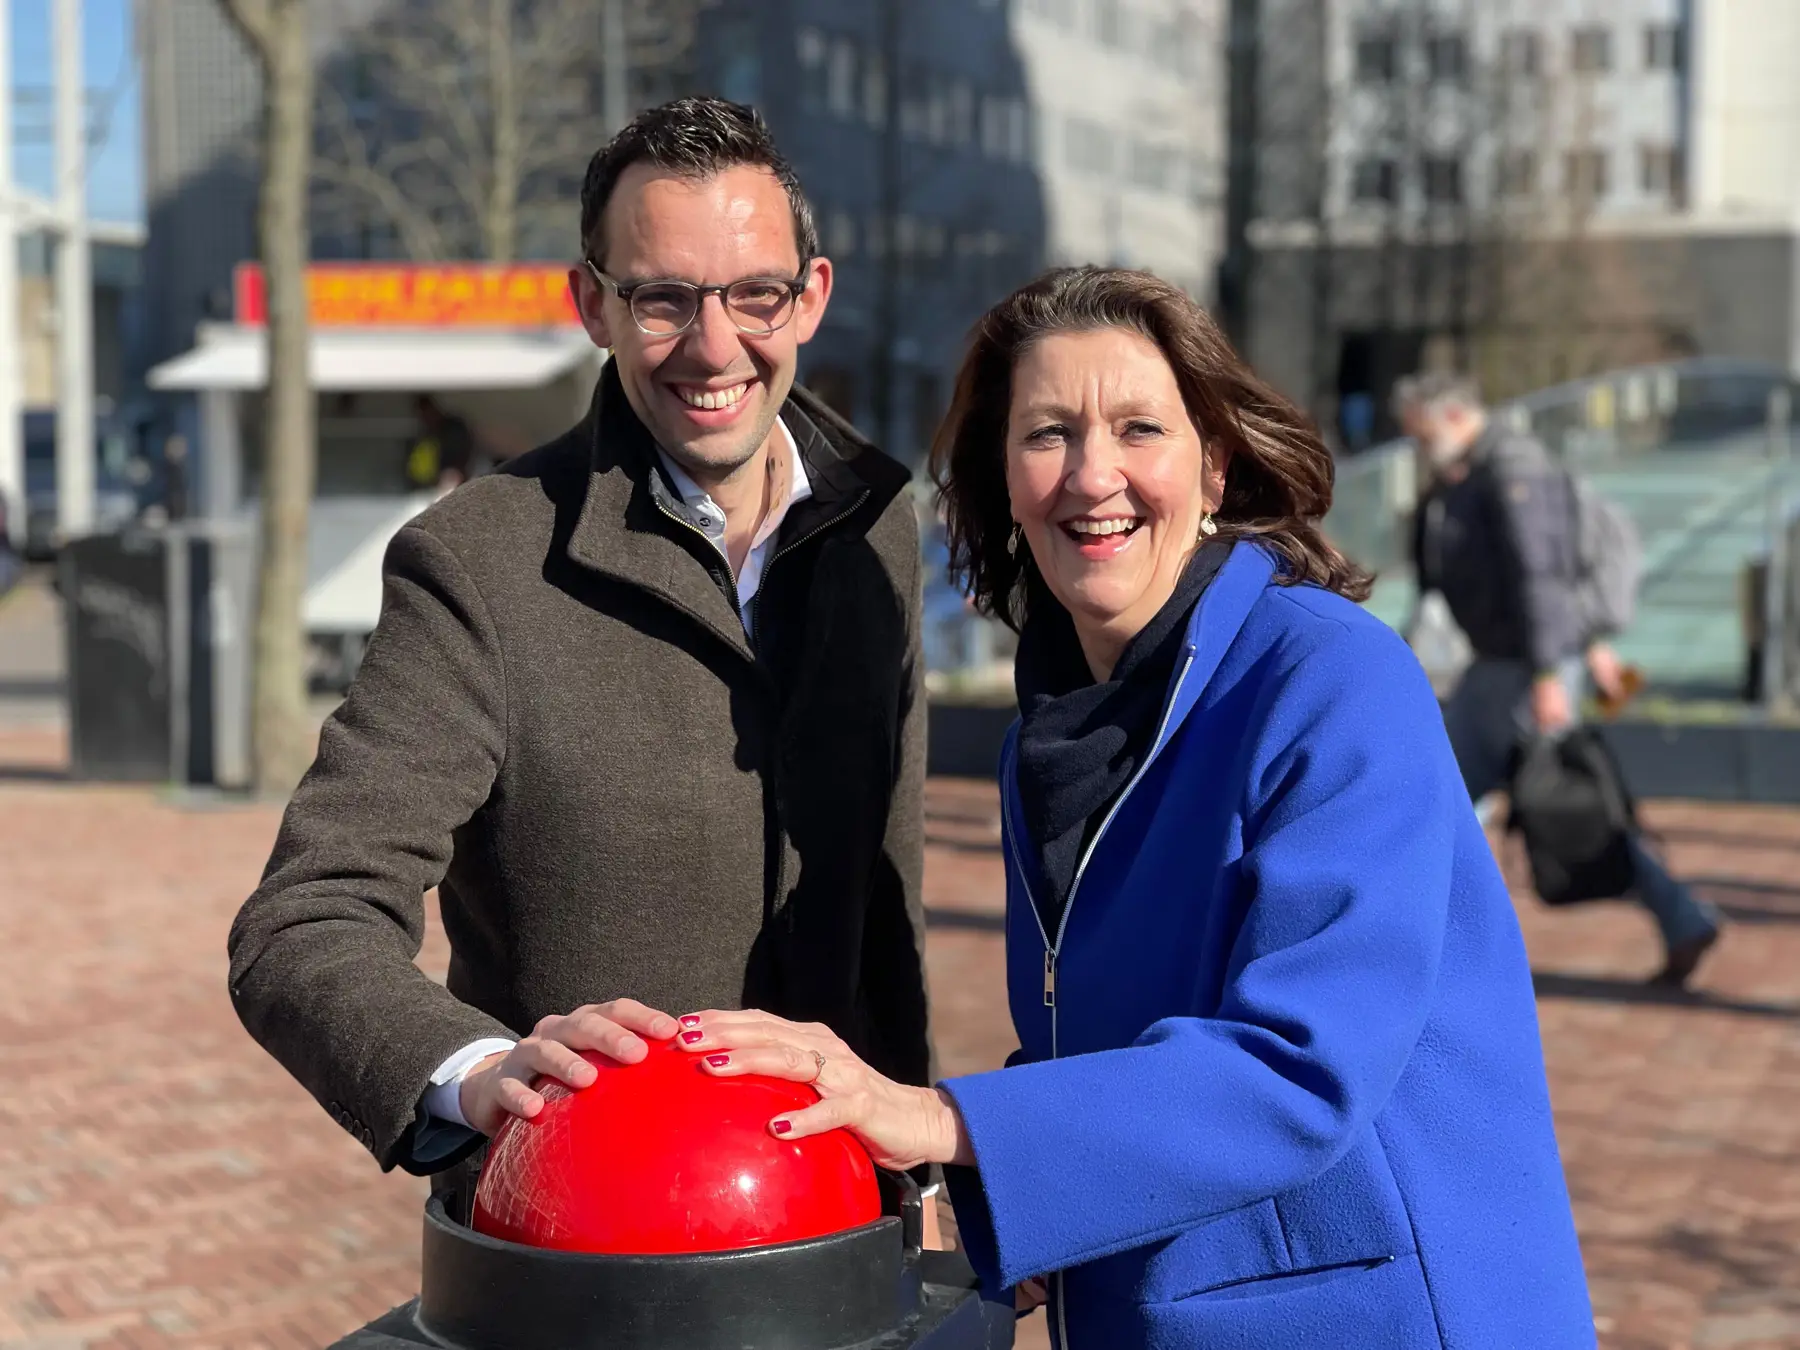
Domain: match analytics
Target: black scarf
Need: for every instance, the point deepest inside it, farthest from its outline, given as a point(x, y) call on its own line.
point(1080, 741)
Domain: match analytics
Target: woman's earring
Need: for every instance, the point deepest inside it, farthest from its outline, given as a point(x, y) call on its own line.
point(1012, 540)
point(1208, 527)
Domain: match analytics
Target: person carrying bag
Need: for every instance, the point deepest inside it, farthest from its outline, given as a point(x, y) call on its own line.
point(1537, 571)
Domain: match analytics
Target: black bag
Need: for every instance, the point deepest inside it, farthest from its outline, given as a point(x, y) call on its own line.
point(1576, 816)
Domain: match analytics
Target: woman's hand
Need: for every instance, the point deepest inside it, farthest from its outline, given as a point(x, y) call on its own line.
point(901, 1126)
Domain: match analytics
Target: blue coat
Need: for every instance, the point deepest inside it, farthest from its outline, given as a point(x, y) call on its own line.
point(1280, 1084)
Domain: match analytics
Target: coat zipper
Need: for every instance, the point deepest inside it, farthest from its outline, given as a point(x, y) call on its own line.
point(854, 505)
point(715, 551)
point(1053, 949)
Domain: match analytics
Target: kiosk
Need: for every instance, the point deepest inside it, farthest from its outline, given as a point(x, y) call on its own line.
point(499, 347)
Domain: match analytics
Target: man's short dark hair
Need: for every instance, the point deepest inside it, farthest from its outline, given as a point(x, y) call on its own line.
point(693, 138)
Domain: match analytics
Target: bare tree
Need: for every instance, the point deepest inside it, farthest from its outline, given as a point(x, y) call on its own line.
point(461, 127)
point(277, 31)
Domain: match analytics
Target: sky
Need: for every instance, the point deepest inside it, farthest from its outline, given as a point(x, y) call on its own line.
point(115, 178)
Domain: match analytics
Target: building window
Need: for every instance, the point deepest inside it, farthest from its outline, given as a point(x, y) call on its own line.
point(1152, 166)
point(1660, 170)
point(1447, 57)
point(1109, 23)
point(1376, 180)
point(1592, 51)
point(1004, 130)
point(1662, 46)
point(840, 79)
point(1518, 173)
point(937, 111)
point(914, 104)
point(1443, 180)
point(874, 91)
point(810, 53)
point(1521, 53)
point(840, 234)
point(1090, 147)
point(1377, 58)
point(1205, 186)
point(1584, 174)
point(962, 113)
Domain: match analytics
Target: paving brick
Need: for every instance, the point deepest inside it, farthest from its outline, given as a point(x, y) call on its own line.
point(163, 1183)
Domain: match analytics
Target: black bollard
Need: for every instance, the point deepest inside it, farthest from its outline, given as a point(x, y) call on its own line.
point(869, 1288)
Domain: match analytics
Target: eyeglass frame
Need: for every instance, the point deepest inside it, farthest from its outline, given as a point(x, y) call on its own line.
point(796, 288)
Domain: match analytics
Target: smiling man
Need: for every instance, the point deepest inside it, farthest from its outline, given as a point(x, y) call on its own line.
point(645, 706)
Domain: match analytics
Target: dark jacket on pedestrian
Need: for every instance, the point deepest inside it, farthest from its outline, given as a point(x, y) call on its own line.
point(1502, 546)
point(561, 724)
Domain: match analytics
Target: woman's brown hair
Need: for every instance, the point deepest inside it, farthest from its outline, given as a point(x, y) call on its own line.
point(1277, 481)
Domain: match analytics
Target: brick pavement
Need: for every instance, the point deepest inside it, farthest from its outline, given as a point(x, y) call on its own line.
point(163, 1184)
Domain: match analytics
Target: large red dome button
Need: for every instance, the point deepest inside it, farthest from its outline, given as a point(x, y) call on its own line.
point(662, 1157)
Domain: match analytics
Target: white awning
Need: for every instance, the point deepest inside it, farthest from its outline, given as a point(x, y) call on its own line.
point(345, 359)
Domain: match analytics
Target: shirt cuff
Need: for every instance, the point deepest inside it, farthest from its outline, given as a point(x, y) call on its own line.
point(443, 1098)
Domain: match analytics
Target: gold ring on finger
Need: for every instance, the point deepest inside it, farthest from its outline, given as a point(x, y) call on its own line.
point(820, 1061)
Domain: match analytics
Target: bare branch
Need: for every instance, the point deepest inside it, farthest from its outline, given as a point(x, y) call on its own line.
point(255, 19)
point(455, 139)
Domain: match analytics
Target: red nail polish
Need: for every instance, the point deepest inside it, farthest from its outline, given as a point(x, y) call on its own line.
point(718, 1061)
point(782, 1126)
point(689, 1037)
point(690, 1021)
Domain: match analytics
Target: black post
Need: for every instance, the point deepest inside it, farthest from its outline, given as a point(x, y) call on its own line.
point(1243, 109)
point(887, 295)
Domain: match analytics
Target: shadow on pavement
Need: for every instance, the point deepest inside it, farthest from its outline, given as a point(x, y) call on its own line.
point(1608, 989)
point(33, 773)
point(30, 688)
point(1707, 836)
point(957, 845)
point(964, 920)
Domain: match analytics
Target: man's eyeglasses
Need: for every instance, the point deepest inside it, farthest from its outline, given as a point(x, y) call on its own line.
point(757, 305)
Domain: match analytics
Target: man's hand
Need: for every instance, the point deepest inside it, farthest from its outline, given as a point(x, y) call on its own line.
point(1551, 708)
point(501, 1085)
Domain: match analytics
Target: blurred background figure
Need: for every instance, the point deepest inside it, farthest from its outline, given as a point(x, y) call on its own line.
point(1498, 536)
point(442, 454)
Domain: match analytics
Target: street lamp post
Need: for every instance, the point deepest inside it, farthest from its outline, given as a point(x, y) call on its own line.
point(75, 445)
point(615, 96)
point(12, 448)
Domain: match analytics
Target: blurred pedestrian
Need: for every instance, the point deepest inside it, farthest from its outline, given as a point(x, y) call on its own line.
point(442, 453)
point(1498, 539)
point(645, 705)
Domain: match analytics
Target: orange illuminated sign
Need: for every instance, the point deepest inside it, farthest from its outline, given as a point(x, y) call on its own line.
point(414, 295)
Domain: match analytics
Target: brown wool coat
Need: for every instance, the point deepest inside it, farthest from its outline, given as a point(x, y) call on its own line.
point(560, 723)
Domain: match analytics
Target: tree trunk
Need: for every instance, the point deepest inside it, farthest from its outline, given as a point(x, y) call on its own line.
point(282, 732)
point(503, 201)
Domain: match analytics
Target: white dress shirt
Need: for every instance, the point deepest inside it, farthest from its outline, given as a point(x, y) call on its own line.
point(443, 1098)
point(712, 516)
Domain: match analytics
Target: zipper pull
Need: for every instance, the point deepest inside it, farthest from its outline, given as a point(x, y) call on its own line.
point(1049, 978)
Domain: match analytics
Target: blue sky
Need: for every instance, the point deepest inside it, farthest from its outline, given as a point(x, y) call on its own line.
point(115, 179)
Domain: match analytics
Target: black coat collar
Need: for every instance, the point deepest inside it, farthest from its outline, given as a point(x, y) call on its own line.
point(634, 527)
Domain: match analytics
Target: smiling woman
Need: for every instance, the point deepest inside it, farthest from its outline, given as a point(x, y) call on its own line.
point(1279, 1079)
